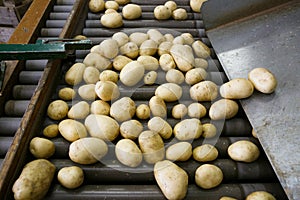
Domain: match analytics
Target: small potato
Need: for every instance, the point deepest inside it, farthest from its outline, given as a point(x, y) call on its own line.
point(79, 110)
point(223, 109)
point(111, 5)
point(150, 78)
point(34, 180)
point(150, 63)
point(102, 126)
point(196, 110)
point(72, 130)
point(152, 146)
point(238, 88)
point(162, 127)
point(80, 37)
point(121, 38)
point(130, 50)
point(171, 5)
point(263, 80)
point(75, 74)
point(107, 90)
point(91, 75)
point(51, 131)
point(98, 61)
point(169, 37)
point(87, 92)
point(244, 151)
point(196, 5)
point(183, 57)
point(138, 38)
point(87, 150)
point(112, 20)
point(67, 94)
point(195, 75)
point(201, 63)
point(128, 153)
point(96, 49)
point(227, 198)
point(148, 48)
point(96, 5)
point(156, 36)
point(171, 179)
point(41, 147)
point(123, 109)
point(188, 129)
point(122, 2)
point(181, 151)
point(169, 92)
point(110, 48)
point(164, 48)
point(158, 107)
point(204, 91)
point(70, 177)
point(120, 62)
point(57, 110)
point(100, 107)
point(260, 195)
point(179, 111)
point(109, 75)
point(162, 12)
point(179, 14)
point(132, 73)
point(132, 11)
point(200, 49)
point(131, 129)
point(166, 62)
point(143, 111)
point(205, 153)
point(254, 133)
point(107, 11)
point(178, 40)
point(174, 76)
point(187, 38)
point(209, 130)
point(208, 176)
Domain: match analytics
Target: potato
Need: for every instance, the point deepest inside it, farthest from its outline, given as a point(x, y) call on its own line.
point(80, 37)
point(174, 76)
point(223, 109)
point(227, 198)
point(200, 49)
point(70, 177)
point(205, 153)
point(238, 88)
point(169, 92)
point(107, 90)
point(110, 48)
point(187, 38)
point(102, 126)
point(87, 92)
point(243, 150)
point(130, 50)
point(96, 49)
point(132, 11)
point(51, 131)
point(204, 91)
point(138, 38)
point(196, 5)
point(201, 63)
point(132, 73)
point(166, 62)
point(171, 5)
point(183, 57)
point(121, 38)
point(123, 109)
point(169, 37)
point(96, 5)
point(110, 10)
point(97, 60)
point(131, 129)
point(148, 48)
point(162, 12)
point(75, 74)
point(178, 40)
point(122, 2)
point(208, 176)
point(57, 110)
point(152, 146)
point(162, 127)
point(112, 20)
point(263, 80)
point(143, 111)
point(260, 195)
point(254, 134)
point(150, 63)
point(109, 75)
point(179, 14)
point(111, 5)
point(164, 48)
point(181, 151)
point(195, 75)
point(158, 107)
point(128, 153)
point(179, 111)
point(188, 129)
point(156, 36)
point(72, 130)
point(120, 62)
point(41, 147)
point(34, 180)
point(67, 93)
point(150, 78)
point(171, 179)
point(87, 150)
point(209, 130)
point(79, 110)
point(91, 75)
point(100, 107)
point(196, 110)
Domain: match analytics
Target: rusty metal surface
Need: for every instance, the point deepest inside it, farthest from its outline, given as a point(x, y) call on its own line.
point(269, 39)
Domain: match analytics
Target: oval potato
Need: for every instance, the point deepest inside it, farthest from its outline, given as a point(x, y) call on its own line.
point(196, 5)
point(260, 195)
point(70, 177)
point(196, 110)
point(111, 5)
point(107, 90)
point(204, 91)
point(171, 5)
point(110, 48)
point(188, 129)
point(166, 62)
point(130, 49)
point(143, 111)
point(132, 73)
point(91, 75)
point(238, 88)
point(148, 48)
point(244, 151)
point(169, 92)
point(131, 129)
point(138, 38)
point(195, 75)
point(150, 78)
point(223, 109)
point(150, 63)
point(174, 76)
point(87, 92)
point(183, 57)
point(120, 61)
point(67, 93)
point(181, 151)
point(205, 153)
point(112, 20)
point(75, 74)
point(132, 11)
point(263, 80)
point(179, 14)
point(208, 176)
point(162, 12)
point(162, 127)
point(72, 130)
point(51, 131)
point(100, 107)
point(179, 111)
point(209, 130)
point(79, 110)
point(123, 109)
point(158, 107)
point(97, 60)
point(121, 38)
point(200, 49)
point(128, 153)
point(109, 75)
point(41, 147)
point(57, 110)
point(96, 5)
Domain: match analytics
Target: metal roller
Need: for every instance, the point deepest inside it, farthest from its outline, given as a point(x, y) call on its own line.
point(35, 65)
point(158, 2)
point(65, 2)
point(9, 125)
point(16, 108)
point(21, 92)
point(55, 23)
point(62, 8)
point(58, 16)
point(30, 77)
point(5, 143)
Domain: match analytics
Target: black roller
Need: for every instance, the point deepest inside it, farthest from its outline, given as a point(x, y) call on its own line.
point(30, 77)
point(5, 143)
point(9, 125)
point(58, 16)
point(22, 92)
point(35, 65)
point(62, 8)
point(16, 108)
point(55, 23)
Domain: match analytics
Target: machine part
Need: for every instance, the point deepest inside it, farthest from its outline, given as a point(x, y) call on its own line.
point(266, 37)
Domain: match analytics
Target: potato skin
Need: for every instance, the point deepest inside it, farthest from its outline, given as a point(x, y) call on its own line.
point(260, 195)
point(196, 5)
point(169, 92)
point(131, 11)
point(75, 74)
point(204, 91)
point(158, 107)
point(70, 177)
point(188, 129)
point(72, 130)
point(112, 20)
point(57, 109)
point(244, 151)
point(128, 153)
point(123, 109)
point(132, 73)
point(162, 12)
point(162, 127)
point(238, 88)
point(51, 131)
point(208, 176)
point(223, 109)
point(143, 111)
point(34, 180)
point(180, 151)
point(41, 147)
point(205, 153)
point(263, 80)
point(96, 5)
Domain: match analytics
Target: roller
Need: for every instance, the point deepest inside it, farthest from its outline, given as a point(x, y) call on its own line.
point(55, 23)
point(35, 65)
point(30, 77)
point(5, 143)
point(16, 108)
point(9, 125)
point(22, 92)
point(58, 16)
point(62, 8)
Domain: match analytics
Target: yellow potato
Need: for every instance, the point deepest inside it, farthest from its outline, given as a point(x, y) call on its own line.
point(87, 92)
point(171, 5)
point(205, 153)
point(109, 75)
point(150, 78)
point(162, 127)
point(111, 5)
point(121, 38)
point(110, 10)
point(75, 74)
point(123, 109)
point(107, 90)
point(201, 63)
point(130, 50)
point(188, 129)
point(166, 62)
point(96, 60)
point(41, 147)
point(179, 14)
point(195, 75)
point(169, 37)
point(187, 38)
point(128, 153)
point(112, 20)
point(72, 130)
point(70, 177)
point(209, 130)
point(131, 129)
point(180, 151)
point(158, 107)
point(183, 57)
point(66, 93)
point(179, 111)
point(138, 38)
point(223, 109)
point(51, 131)
point(91, 75)
point(132, 11)
point(132, 73)
point(148, 48)
point(196, 110)
point(196, 5)
point(96, 5)
point(174, 76)
point(244, 151)
point(238, 88)
point(162, 12)
point(143, 111)
point(156, 36)
point(200, 49)
point(122, 2)
point(260, 195)
point(208, 176)
point(100, 107)
point(263, 80)
point(150, 63)
point(110, 48)
point(120, 61)
point(79, 110)
point(169, 92)
point(164, 48)
point(57, 110)
point(178, 40)
point(204, 91)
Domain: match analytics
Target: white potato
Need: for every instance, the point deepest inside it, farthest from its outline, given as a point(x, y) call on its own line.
point(132, 73)
point(96, 5)
point(120, 61)
point(72, 130)
point(178, 40)
point(123, 109)
point(238, 88)
point(91, 75)
point(143, 111)
point(109, 75)
point(254, 134)
point(107, 90)
point(79, 110)
point(196, 110)
point(110, 48)
point(158, 107)
point(132, 11)
point(110, 10)
point(98, 61)
point(100, 107)
point(75, 74)
point(204, 91)
point(181, 151)
point(187, 38)
point(209, 130)
point(188, 129)
point(205, 153)
point(87, 92)
point(164, 48)
point(150, 63)
point(208, 176)
point(243, 150)
point(41, 147)
point(166, 62)
point(196, 5)
point(162, 12)
point(263, 80)
point(162, 127)
point(112, 20)
point(148, 47)
point(70, 177)
point(156, 36)
point(171, 5)
point(200, 49)
point(130, 50)
point(201, 63)
point(183, 57)
point(67, 93)
point(260, 195)
point(169, 37)
point(223, 109)
point(195, 75)
point(174, 76)
point(150, 78)
point(57, 110)
point(227, 198)
point(122, 2)
point(51, 131)
point(138, 38)
point(169, 92)
point(96, 49)
point(128, 153)
point(111, 5)
point(121, 38)
point(179, 14)
point(179, 111)
point(131, 129)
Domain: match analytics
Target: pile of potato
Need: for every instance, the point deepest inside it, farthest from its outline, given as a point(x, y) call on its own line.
point(168, 10)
